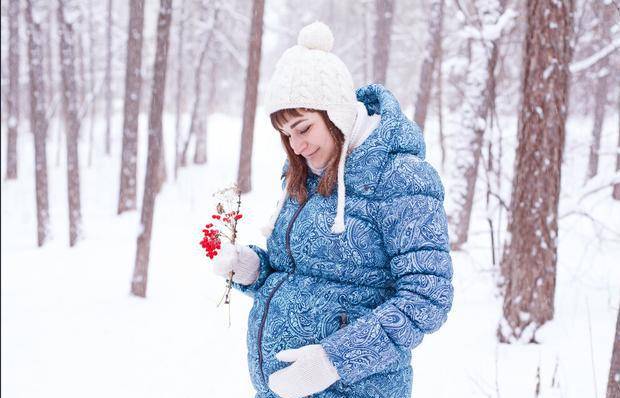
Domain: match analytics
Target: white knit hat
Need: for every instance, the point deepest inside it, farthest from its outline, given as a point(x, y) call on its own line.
point(309, 76)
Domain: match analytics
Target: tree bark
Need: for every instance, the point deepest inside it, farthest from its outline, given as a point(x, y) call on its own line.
point(140, 275)
point(528, 264)
point(613, 382)
point(38, 122)
point(244, 176)
point(70, 100)
point(383, 33)
point(433, 49)
point(133, 91)
point(12, 100)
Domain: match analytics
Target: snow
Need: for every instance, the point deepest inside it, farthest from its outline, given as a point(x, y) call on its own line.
point(70, 328)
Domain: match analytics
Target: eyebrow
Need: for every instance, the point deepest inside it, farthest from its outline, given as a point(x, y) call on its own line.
point(297, 122)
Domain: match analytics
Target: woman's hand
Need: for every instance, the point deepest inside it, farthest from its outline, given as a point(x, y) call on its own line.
point(240, 259)
point(311, 372)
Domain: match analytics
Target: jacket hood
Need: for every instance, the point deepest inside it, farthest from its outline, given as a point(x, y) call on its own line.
point(395, 134)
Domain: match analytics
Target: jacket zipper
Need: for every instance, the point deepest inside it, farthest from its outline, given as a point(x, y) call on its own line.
point(264, 317)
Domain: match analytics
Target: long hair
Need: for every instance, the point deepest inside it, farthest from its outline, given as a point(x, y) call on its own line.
point(298, 169)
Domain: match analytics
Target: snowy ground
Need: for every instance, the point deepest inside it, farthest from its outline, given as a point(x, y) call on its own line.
point(70, 328)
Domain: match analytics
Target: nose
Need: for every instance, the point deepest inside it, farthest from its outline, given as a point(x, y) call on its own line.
point(298, 144)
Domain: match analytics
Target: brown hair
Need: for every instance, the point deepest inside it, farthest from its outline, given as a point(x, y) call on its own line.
point(298, 169)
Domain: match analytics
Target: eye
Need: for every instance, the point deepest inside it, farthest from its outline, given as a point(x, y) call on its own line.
point(306, 130)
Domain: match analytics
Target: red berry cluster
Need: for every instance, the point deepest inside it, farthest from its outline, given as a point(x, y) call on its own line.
point(211, 240)
point(228, 218)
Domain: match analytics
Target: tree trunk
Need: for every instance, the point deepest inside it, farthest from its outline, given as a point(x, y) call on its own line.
point(198, 108)
point(433, 49)
point(368, 50)
point(131, 111)
point(180, 90)
point(70, 100)
point(12, 100)
point(139, 280)
point(38, 122)
point(605, 13)
point(383, 32)
point(108, 80)
point(474, 116)
point(613, 382)
point(616, 191)
point(93, 103)
point(244, 175)
point(528, 264)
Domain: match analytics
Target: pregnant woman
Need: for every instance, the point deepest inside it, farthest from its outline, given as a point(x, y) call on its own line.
point(357, 266)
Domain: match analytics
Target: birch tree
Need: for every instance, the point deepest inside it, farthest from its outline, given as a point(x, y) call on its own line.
point(38, 120)
point(251, 90)
point(139, 280)
point(131, 109)
point(528, 264)
point(12, 100)
point(66, 13)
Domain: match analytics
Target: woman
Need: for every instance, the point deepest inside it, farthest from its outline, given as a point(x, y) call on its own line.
point(357, 267)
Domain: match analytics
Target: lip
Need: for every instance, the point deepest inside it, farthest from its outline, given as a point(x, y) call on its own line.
point(312, 154)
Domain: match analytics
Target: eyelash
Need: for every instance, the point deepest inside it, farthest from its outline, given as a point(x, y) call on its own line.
point(305, 131)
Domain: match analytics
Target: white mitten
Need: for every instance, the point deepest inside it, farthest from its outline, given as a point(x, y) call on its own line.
point(240, 259)
point(311, 372)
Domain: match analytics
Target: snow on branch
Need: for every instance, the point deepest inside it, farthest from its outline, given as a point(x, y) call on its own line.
point(584, 64)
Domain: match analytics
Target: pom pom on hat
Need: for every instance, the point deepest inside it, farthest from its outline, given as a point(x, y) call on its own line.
point(316, 36)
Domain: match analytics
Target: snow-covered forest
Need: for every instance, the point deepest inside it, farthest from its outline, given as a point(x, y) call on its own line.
point(122, 118)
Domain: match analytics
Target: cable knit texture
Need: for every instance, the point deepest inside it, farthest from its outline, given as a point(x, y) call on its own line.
point(369, 295)
point(308, 75)
point(240, 259)
point(310, 372)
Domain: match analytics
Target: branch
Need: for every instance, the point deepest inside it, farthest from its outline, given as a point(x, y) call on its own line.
point(584, 64)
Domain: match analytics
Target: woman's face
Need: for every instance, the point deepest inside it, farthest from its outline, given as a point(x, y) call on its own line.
point(309, 137)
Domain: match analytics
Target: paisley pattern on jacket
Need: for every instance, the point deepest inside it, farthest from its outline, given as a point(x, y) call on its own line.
point(369, 294)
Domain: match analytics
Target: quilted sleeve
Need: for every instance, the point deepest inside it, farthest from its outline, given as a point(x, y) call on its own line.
point(413, 224)
point(264, 271)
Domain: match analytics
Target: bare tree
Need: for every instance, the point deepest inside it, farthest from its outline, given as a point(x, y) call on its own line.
point(108, 79)
point(12, 100)
point(38, 120)
point(383, 32)
point(432, 53)
point(606, 14)
point(528, 264)
point(616, 191)
point(613, 382)
point(70, 101)
point(244, 174)
point(197, 128)
point(139, 280)
point(131, 111)
point(180, 88)
point(474, 115)
point(91, 100)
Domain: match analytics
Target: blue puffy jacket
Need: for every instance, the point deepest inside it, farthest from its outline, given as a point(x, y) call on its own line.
point(369, 294)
